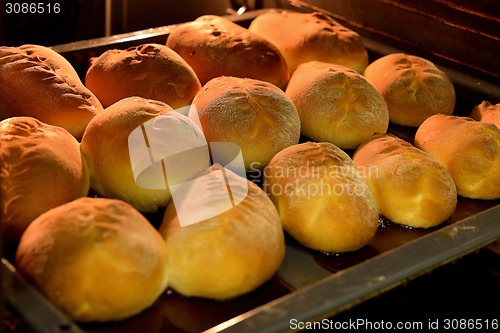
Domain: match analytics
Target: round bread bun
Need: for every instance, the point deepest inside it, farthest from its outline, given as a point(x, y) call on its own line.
point(214, 46)
point(41, 167)
point(96, 259)
point(105, 146)
point(255, 115)
point(469, 149)
point(304, 37)
point(231, 253)
point(413, 87)
point(151, 71)
point(337, 104)
point(487, 113)
point(323, 201)
point(36, 81)
point(411, 188)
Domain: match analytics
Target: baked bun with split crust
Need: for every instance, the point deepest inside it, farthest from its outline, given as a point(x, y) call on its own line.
point(469, 149)
point(152, 71)
point(411, 187)
point(231, 253)
point(323, 201)
point(487, 113)
point(41, 167)
point(95, 259)
point(304, 37)
point(105, 146)
point(37, 82)
point(255, 115)
point(337, 104)
point(413, 87)
point(214, 46)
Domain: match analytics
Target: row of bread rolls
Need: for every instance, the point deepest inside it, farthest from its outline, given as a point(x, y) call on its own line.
point(341, 106)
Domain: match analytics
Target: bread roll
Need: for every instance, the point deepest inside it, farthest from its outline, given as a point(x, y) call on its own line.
point(413, 87)
point(323, 201)
point(337, 104)
point(105, 147)
point(95, 259)
point(487, 113)
point(151, 71)
point(303, 37)
point(231, 253)
point(40, 168)
point(255, 115)
point(469, 149)
point(38, 82)
point(215, 46)
point(411, 187)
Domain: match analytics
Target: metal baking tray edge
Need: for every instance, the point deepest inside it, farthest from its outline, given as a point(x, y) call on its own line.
point(321, 299)
point(373, 277)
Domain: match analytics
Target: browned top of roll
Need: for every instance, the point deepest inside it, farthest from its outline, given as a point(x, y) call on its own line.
point(41, 167)
point(215, 46)
point(38, 82)
point(303, 37)
point(152, 71)
point(469, 149)
point(413, 87)
point(255, 115)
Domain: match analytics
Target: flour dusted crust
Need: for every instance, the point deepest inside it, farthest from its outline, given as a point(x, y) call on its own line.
point(96, 259)
point(337, 104)
point(41, 167)
point(469, 149)
point(152, 71)
point(410, 186)
point(255, 115)
point(413, 87)
point(304, 37)
point(38, 82)
point(322, 200)
point(214, 46)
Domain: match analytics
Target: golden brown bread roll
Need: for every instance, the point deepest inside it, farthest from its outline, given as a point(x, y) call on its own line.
point(105, 147)
point(151, 71)
point(487, 113)
point(336, 104)
point(411, 187)
point(214, 46)
point(469, 149)
point(413, 87)
point(41, 167)
point(95, 259)
point(255, 115)
point(303, 37)
point(231, 253)
point(323, 201)
point(38, 82)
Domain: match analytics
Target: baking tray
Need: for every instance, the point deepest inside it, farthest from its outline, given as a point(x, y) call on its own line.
point(309, 285)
